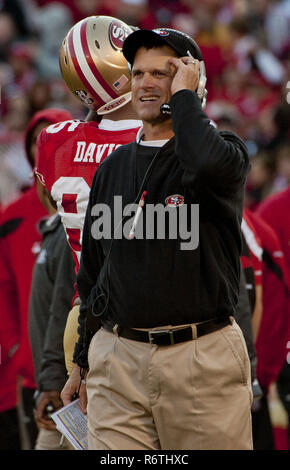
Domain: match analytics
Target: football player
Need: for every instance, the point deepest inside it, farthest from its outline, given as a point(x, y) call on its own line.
point(69, 153)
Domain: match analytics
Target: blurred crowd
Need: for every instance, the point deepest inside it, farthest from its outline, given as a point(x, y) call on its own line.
point(245, 46)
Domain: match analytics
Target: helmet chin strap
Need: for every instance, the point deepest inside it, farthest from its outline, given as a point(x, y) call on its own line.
point(115, 104)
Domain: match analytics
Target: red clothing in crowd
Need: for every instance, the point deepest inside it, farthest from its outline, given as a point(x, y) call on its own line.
point(19, 246)
point(275, 211)
point(272, 337)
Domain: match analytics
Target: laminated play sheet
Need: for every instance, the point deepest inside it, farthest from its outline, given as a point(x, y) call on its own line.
point(72, 423)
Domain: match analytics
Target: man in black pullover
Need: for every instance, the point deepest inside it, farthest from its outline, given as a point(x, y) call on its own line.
point(169, 368)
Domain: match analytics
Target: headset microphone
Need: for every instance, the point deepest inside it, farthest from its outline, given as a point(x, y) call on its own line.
point(165, 109)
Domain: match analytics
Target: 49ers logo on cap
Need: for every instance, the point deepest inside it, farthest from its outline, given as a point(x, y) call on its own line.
point(174, 201)
point(117, 34)
point(161, 32)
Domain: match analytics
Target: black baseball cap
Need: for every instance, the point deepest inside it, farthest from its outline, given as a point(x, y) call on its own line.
point(180, 42)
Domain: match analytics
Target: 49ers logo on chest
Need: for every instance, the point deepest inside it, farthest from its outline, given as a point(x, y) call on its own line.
point(117, 34)
point(174, 201)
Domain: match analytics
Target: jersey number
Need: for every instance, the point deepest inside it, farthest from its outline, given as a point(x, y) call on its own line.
point(71, 194)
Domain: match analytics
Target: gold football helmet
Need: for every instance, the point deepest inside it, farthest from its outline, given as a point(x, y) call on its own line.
point(93, 66)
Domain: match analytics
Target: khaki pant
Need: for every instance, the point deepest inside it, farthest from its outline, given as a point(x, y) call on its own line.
point(49, 439)
point(192, 395)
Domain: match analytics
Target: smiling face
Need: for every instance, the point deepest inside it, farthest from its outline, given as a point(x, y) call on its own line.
point(151, 83)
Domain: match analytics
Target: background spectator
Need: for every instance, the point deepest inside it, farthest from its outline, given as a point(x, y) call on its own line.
point(245, 47)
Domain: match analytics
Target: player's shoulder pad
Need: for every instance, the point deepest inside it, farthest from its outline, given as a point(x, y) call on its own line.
point(56, 134)
point(65, 126)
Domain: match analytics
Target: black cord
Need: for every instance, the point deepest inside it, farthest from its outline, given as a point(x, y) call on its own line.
point(107, 280)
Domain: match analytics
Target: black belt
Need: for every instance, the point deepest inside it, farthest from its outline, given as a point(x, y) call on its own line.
point(164, 337)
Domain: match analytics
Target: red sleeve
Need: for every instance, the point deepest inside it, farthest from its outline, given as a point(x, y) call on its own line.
point(41, 160)
point(50, 140)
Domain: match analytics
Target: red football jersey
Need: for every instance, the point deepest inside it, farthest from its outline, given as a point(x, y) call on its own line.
point(275, 211)
point(273, 333)
point(68, 155)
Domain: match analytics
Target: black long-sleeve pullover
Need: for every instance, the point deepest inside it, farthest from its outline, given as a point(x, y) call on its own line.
point(144, 283)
